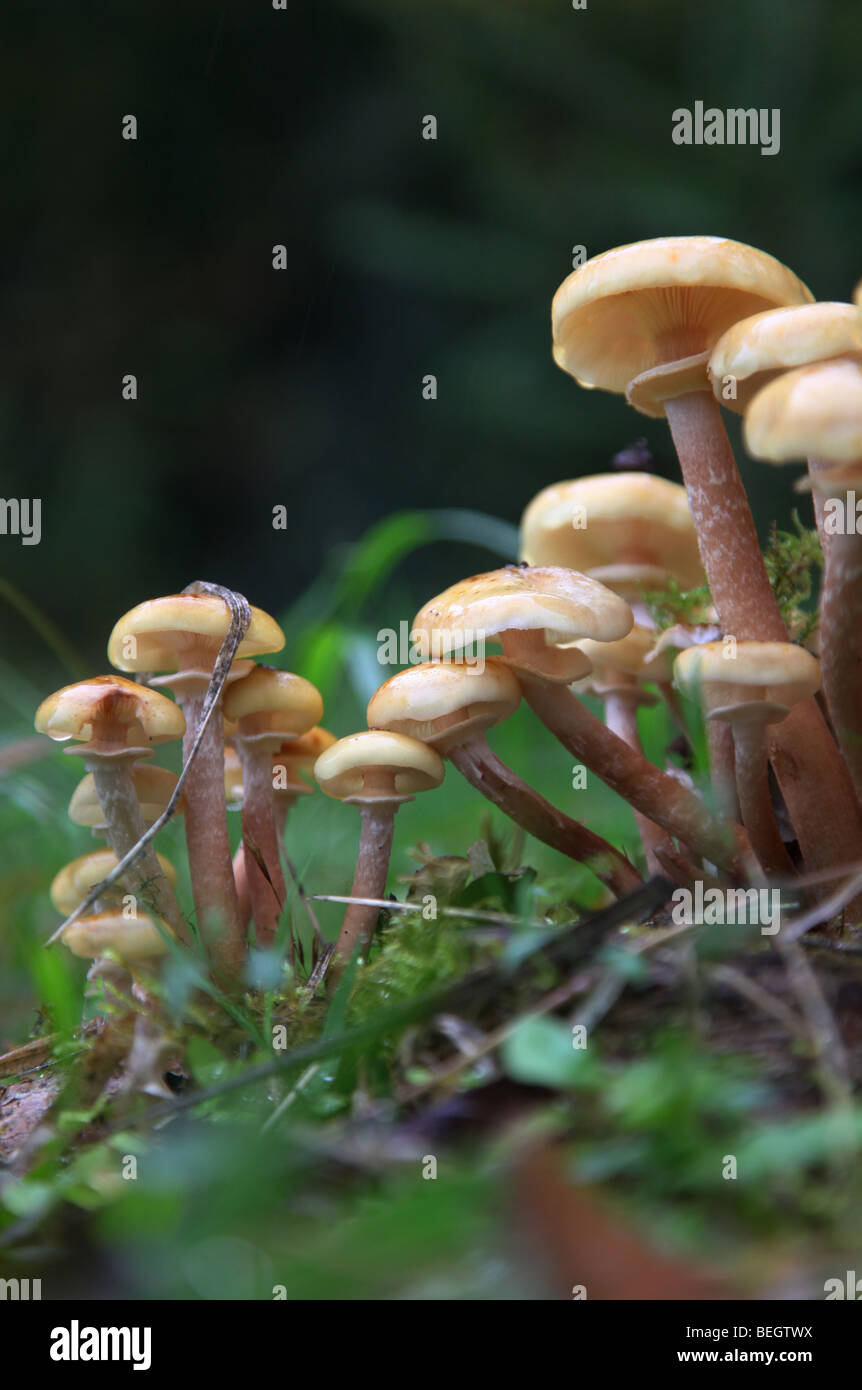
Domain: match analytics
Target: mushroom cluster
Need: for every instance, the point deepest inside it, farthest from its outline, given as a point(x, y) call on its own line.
point(680, 326)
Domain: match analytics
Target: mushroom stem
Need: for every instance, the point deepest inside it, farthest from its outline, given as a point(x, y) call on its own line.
point(213, 885)
point(656, 794)
point(258, 824)
point(814, 783)
point(369, 880)
point(118, 799)
point(755, 800)
point(722, 767)
point(621, 718)
point(484, 771)
point(841, 646)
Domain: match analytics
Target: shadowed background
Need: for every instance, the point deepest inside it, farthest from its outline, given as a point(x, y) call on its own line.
point(302, 387)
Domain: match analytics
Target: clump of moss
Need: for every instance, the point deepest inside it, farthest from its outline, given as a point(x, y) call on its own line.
point(413, 957)
point(790, 559)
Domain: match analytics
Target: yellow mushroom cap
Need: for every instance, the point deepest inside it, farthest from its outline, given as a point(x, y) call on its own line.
point(134, 939)
point(556, 605)
point(661, 304)
point(445, 703)
point(747, 681)
point(757, 349)
point(184, 632)
point(154, 787)
point(813, 412)
point(608, 519)
point(75, 880)
point(272, 705)
point(630, 656)
point(297, 756)
point(378, 766)
point(110, 711)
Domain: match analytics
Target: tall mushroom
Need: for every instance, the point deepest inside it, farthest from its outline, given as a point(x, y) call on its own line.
point(116, 723)
point(816, 412)
point(642, 320)
point(182, 634)
point(751, 685)
point(268, 707)
point(531, 611)
point(377, 772)
point(450, 706)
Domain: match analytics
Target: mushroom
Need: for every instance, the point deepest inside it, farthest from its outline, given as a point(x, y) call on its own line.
point(816, 412)
point(643, 319)
point(530, 609)
point(377, 772)
point(154, 788)
point(182, 634)
point(450, 706)
point(75, 880)
point(268, 707)
point(751, 685)
point(631, 531)
point(116, 722)
point(758, 349)
point(138, 940)
point(289, 762)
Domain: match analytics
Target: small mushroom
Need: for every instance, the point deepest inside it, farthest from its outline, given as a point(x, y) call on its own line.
point(182, 634)
point(751, 685)
point(154, 787)
point(450, 707)
point(116, 723)
point(137, 940)
point(289, 762)
point(377, 772)
point(631, 531)
point(77, 879)
point(268, 707)
point(530, 609)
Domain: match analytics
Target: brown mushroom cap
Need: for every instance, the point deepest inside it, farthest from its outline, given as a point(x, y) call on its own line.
point(270, 706)
point(657, 307)
point(630, 656)
point(75, 880)
point(135, 940)
point(444, 703)
point(183, 632)
point(154, 787)
point(759, 684)
point(374, 766)
point(811, 412)
point(608, 520)
point(110, 714)
point(757, 349)
point(558, 605)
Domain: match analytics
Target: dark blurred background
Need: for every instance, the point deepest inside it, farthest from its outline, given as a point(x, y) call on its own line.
point(302, 387)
